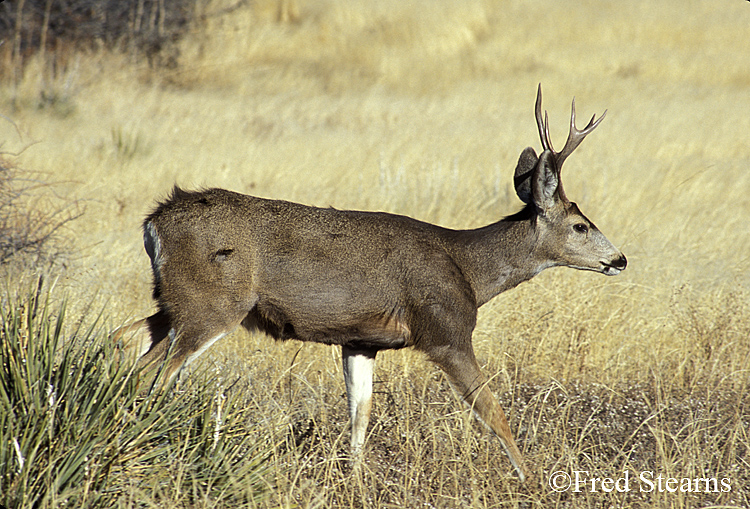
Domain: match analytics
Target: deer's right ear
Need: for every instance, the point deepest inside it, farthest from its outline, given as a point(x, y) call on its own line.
point(544, 182)
point(524, 171)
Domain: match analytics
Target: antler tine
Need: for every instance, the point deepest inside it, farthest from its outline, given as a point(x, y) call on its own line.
point(575, 137)
point(546, 132)
point(542, 123)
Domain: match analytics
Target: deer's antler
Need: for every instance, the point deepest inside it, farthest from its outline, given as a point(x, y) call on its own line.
point(575, 136)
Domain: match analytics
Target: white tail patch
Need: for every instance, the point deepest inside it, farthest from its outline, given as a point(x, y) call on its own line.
point(152, 243)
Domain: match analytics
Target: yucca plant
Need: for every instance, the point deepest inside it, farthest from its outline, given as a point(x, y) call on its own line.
point(78, 430)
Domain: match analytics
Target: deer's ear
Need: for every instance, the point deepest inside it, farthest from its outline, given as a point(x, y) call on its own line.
point(524, 171)
point(544, 182)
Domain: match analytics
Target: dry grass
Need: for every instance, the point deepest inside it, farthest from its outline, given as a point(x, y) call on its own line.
point(423, 110)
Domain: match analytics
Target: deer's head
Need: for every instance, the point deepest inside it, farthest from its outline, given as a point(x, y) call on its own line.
point(566, 236)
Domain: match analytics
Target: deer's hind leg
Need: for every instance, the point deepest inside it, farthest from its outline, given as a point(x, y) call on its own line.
point(138, 338)
point(192, 333)
point(171, 340)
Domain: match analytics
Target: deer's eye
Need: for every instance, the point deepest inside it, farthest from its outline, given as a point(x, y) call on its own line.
point(581, 228)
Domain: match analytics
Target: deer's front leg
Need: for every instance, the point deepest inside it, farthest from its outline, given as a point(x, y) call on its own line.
point(358, 369)
point(469, 381)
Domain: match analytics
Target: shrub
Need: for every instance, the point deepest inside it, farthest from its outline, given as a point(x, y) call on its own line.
point(32, 215)
point(75, 431)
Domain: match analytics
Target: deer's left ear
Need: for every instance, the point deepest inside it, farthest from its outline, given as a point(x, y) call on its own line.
point(524, 171)
point(545, 181)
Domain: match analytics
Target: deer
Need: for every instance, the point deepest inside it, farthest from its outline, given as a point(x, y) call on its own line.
point(364, 281)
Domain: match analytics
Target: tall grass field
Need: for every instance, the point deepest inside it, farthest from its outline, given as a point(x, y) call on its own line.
point(627, 391)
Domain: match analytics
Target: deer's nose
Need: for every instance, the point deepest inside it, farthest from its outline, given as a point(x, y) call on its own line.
point(620, 263)
point(614, 267)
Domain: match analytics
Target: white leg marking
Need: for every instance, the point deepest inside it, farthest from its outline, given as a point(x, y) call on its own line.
point(358, 368)
point(145, 345)
point(203, 348)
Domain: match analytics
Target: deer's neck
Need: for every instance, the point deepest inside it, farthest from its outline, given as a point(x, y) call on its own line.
point(501, 255)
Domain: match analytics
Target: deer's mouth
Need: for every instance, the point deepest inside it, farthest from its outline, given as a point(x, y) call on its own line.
point(615, 266)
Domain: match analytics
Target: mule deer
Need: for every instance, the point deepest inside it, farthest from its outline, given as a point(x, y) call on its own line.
point(366, 281)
